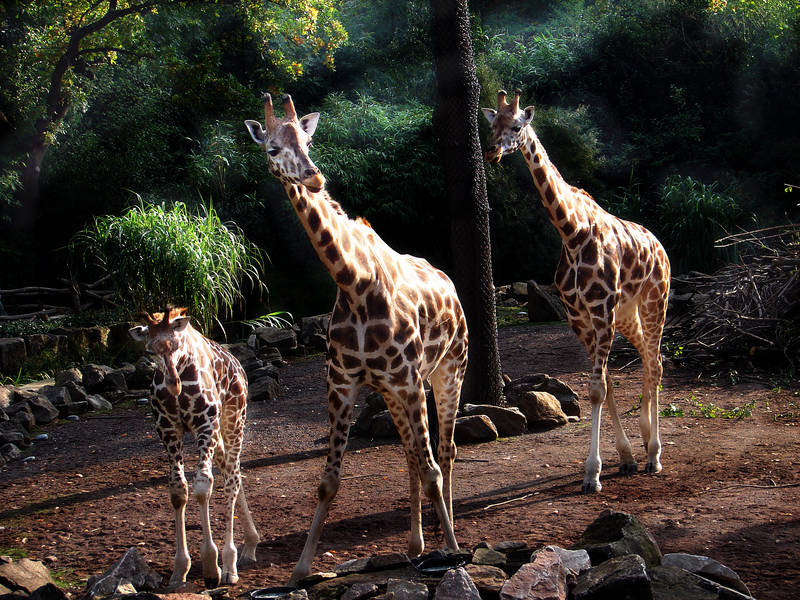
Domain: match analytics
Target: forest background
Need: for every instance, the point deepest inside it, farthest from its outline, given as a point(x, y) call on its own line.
point(683, 115)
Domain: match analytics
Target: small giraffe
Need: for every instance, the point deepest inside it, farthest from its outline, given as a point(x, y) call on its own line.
point(613, 274)
point(396, 322)
point(199, 387)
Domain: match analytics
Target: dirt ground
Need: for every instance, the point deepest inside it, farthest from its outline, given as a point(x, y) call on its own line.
point(729, 489)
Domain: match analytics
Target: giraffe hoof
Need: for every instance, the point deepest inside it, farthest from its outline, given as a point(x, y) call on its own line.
point(628, 468)
point(245, 561)
point(652, 467)
point(591, 487)
point(229, 579)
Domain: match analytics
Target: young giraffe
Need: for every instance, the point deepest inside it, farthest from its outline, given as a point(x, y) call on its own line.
point(613, 274)
point(396, 322)
point(200, 387)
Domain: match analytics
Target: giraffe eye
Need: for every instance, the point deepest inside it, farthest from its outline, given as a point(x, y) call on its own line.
point(273, 151)
point(516, 128)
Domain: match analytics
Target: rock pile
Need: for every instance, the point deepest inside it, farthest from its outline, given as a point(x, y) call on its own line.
point(534, 402)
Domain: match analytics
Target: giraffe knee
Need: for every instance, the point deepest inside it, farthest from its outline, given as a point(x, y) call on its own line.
point(327, 489)
point(177, 497)
point(597, 393)
point(201, 488)
point(431, 479)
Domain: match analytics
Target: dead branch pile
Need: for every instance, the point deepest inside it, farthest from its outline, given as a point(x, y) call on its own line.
point(52, 302)
point(748, 312)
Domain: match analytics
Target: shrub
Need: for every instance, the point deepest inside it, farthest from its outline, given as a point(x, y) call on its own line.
point(158, 255)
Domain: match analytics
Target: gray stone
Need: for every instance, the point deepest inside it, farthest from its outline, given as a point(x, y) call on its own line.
point(12, 437)
point(375, 401)
point(9, 452)
point(131, 568)
point(487, 556)
point(128, 371)
point(57, 394)
point(8, 395)
point(543, 579)
point(48, 591)
point(543, 306)
point(509, 546)
point(576, 561)
point(45, 343)
point(12, 355)
point(314, 331)
point(145, 367)
point(76, 394)
point(315, 578)
point(94, 377)
point(391, 560)
point(615, 534)
point(72, 375)
point(283, 338)
point(620, 578)
point(271, 356)
point(24, 575)
point(42, 410)
point(672, 583)
point(115, 381)
point(706, 567)
point(540, 382)
point(476, 428)
point(519, 289)
point(382, 426)
point(360, 591)
point(457, 585)
point(15, 427)
point(97, 402)
point(262, 389)
point(488, 580)
point(542, 409)
point(356, 565)
point(508, 421)
point(246, 357)
point(404, 589)
point(23, 415)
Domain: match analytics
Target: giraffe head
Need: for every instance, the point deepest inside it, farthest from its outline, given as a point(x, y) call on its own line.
point(286, 142)
point(163, 337)
point(508, 123)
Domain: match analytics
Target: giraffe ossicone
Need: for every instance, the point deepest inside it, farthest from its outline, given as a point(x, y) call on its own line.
point(396, 322)
point(613, 275)
point(200, 387)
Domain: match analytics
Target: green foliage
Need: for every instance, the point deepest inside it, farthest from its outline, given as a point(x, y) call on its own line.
point(692, 216)
point(158, 256)
point(708, 410)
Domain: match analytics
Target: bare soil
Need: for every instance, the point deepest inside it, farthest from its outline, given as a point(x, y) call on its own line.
point(730, 489)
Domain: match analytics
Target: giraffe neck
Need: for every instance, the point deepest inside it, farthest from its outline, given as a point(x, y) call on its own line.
point(566, 205)
point(338, 241)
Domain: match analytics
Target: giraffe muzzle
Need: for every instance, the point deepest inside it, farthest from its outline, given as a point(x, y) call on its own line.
point(314, 182)
point(493, 155)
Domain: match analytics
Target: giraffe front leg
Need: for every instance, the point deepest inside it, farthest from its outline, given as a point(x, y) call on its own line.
point(202, 488)
point(340, 407)
point(627, 463)
point(652, 378)
point(247, 556)
point(229, 467)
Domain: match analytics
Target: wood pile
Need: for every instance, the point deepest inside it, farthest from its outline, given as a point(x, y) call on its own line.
point(745, 314)
point(51, 302)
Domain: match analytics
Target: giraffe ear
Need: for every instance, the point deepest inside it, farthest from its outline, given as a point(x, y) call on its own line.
point(256, 132)
point(309, 123)
point(529, 110)
point(139, 333)
point(179, 323)
point(490, 114)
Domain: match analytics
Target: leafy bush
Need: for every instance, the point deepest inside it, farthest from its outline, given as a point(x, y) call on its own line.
point(158, 255)
point(692, 217)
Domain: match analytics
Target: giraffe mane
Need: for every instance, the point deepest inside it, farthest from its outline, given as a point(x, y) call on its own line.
point(169, 314)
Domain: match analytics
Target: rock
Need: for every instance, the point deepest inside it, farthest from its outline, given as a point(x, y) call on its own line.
point(24, 575)
point(487, 556)
point(457, 585)
point(263, 389)
point(615, 534)
point(12, 437)
point(360, 591)
point(276, 337)
point(509, 546)
point(8, 394)
point(246, 357)
point(145, 367)
point(488, 580)
point(671, 583)
point(9, 452)
point(271, 356)
point(73, 409)
point(706, 567)
point(46, 343)
point(392, 560)
point(72, 375)
point(543, 306)
point(14, 427)
point(542, 409)
point(519, 289)
point(97, 402)
point(621, 578)
point(540, 382)
point(23, 415)
point(315, 578)
point(56, 394)
point(42, 410)
point(48, 592)
point(356, 565)
point(314, 331)
point(508, 421)
point(12, 355)
point(76, 393)
point(94, 377)
point(375, 401)
point(576, 561)
point(403, 589)
point(476, 428)
point(115, 381)
point(382, 426)
point(128, 371)
point(543, 579)
point(83, 341)
point(131, 568)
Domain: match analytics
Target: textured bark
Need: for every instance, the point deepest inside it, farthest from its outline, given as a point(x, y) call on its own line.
point(455, 120)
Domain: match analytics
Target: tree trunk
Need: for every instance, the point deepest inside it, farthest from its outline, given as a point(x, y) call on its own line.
point(455, 121)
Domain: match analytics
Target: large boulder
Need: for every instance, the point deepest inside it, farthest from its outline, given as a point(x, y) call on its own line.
point(42, 409)
point(540, 382)
point(543, 305)
point(621, 578)
point(457, 585)
point(94, 377)
point(542, 579)
point(615, 534)
point(283, 338)
point(473, 429)
point(314, 331)
point(23, 576)
point(8, 395)
point(541, 409)
point(706, 567)
point(263, 384)
point(71, 375)
point(509, 421)
point(12, 355)
point(131, 568)
point(246, 357)
point(39, 344)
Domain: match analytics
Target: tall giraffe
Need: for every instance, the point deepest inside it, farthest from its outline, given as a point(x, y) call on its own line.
point(200, 387)
point(396, 322)
point(613, 274)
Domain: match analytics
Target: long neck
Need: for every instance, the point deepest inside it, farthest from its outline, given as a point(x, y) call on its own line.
point(566, 205)
point(338, 241)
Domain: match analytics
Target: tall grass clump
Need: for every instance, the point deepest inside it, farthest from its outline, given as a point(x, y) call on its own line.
point(158, 255)
point(692, 217)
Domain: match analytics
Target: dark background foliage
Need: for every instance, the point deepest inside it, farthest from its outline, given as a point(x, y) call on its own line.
point(682, 115)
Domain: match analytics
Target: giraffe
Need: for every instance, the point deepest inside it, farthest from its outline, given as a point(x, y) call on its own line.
point(612, 275)
point(396, 322)
point(200, 387)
